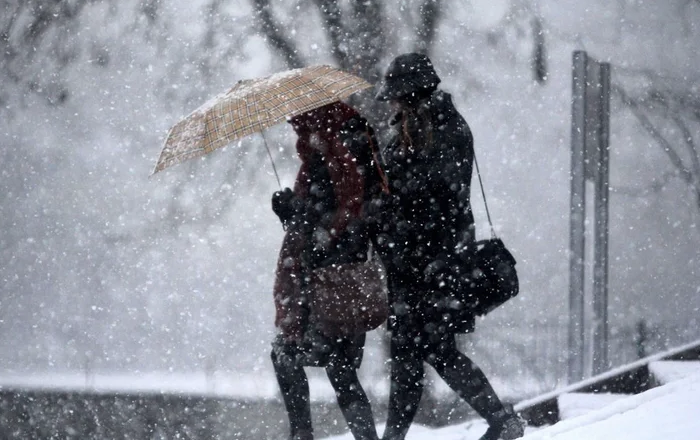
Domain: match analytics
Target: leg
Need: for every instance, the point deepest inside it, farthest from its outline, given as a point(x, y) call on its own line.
point(471, 384)
point(294, 387)
point(406, 389)
point(352, 400)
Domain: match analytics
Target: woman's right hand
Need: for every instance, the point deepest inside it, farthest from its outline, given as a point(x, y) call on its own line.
point(282, 205)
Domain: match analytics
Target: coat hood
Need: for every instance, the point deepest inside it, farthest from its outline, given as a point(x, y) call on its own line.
point(324, 121)
point(410, 73)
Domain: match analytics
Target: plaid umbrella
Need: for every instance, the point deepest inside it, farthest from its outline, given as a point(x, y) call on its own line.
point(253, 105)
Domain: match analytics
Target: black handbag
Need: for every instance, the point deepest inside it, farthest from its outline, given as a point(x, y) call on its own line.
point(487, 277)
point(491, 279)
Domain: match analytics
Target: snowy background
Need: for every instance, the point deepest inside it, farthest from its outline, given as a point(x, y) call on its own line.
point(107, 270)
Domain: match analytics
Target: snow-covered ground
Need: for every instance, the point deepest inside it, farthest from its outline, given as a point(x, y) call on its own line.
point(236, 386)
point(668, 412)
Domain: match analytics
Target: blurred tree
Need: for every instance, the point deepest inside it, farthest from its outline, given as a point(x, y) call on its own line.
point(670, 114)
point(357, 35)
point(539, 53)
point(26, 25)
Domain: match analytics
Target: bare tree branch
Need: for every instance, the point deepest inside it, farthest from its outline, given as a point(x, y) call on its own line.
point(369, 42)
point(25, 30)
point(149, 8)
point(42, 18)
point(46, 14)
point(674, 105)
point(690, 143)
point(694, 156)
point(333, 23)
point(11, 18)
point(689, 102)
point(429, 12)
point(539, 53)
point(8, 52)
point(668, 148)
point(271, 28)
point(656, 186)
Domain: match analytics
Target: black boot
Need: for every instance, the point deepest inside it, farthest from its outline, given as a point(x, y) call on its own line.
point(506, 427)
point(470, 383)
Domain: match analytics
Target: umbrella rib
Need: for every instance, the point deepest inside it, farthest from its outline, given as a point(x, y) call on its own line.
point(269, 154)
point(262, 129)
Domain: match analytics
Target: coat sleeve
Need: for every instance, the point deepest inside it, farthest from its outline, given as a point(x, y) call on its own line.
point(446, 189)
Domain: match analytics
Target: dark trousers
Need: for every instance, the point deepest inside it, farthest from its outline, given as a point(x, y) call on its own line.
point(341, 368)
point(409, 351)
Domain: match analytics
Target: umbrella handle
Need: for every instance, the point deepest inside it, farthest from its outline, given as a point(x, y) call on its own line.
point(274, 168)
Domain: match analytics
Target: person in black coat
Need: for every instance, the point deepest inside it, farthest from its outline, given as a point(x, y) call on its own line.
point(422, 226)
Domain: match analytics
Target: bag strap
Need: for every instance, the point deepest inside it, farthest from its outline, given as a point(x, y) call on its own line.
point(483, 195)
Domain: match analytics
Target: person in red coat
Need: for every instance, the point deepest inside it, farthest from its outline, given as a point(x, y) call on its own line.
point(324, 220)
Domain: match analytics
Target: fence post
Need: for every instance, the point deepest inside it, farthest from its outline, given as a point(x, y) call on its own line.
point(602, 191)
point(577, 219)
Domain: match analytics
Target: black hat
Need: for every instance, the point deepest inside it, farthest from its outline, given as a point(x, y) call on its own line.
point(408, 73)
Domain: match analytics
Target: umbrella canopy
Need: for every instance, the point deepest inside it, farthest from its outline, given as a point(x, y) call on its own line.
point(253, 105)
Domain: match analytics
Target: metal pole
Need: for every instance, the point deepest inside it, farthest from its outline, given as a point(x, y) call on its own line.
point(600, 267)
point(578, 213)
point(269, 154)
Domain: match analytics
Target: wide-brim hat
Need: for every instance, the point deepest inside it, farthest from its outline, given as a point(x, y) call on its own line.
point(408, 73)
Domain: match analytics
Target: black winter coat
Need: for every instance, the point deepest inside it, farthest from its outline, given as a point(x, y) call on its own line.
point(428, 212)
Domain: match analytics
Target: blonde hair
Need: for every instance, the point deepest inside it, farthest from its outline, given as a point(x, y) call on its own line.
point(426, 124)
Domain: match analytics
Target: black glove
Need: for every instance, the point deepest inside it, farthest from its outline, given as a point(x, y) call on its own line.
point(354, 124)
point(436, 273)
point(358, 137)
point(282, 205)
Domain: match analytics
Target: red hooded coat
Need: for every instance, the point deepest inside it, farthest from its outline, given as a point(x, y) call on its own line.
point(348, 189)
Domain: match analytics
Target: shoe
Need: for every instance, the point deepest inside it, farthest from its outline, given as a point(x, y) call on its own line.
point(509, 429)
